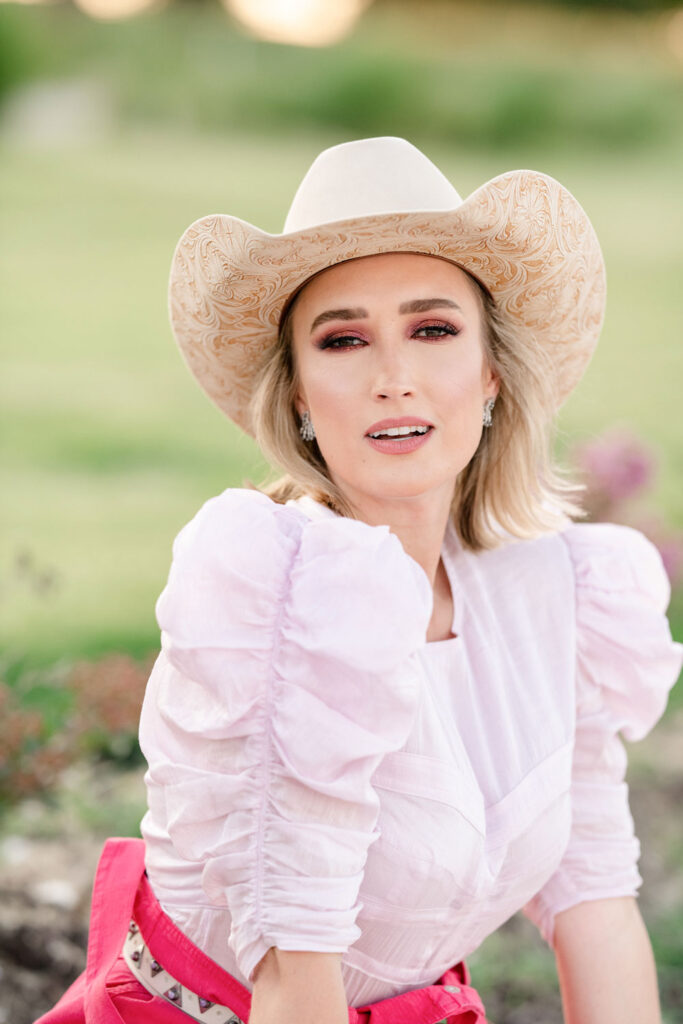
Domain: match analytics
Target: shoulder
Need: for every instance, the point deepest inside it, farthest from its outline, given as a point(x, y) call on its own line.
point(517, 574)
point(586, 556)
point(245, 567)
point(626, 659)
point(616, 559)
point(245, 529)
point(235, 520)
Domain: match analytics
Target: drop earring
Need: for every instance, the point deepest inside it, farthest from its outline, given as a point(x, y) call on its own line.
point(487, 416)
point(307, 430)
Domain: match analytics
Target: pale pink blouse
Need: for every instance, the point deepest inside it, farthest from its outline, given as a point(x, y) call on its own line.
point(321, 778)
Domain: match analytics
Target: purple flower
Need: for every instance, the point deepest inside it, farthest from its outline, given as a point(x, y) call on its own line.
point(616, 466)
point(671, 551)
point(670, 546)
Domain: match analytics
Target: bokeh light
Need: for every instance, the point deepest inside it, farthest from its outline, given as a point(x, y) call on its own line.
point(298, 22)
point(115, 10)
point(674, 35)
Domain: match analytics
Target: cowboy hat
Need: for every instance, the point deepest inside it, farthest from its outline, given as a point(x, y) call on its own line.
point(522, 235)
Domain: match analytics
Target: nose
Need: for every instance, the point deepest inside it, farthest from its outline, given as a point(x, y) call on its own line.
point(393, 377)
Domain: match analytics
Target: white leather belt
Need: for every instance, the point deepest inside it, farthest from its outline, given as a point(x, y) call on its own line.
point(159, 982)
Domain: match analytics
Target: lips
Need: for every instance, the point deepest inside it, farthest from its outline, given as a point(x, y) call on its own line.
point(403, 426)
point(412, 431)
point(399, 436)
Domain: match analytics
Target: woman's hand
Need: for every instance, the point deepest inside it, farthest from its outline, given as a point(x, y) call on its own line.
point(605, 964)
point(298, 988)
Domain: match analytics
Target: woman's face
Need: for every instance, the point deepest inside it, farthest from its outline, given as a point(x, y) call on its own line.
point(385, 342)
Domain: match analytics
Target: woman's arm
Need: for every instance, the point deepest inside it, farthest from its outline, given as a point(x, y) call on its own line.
point(299, 988)
point(605, 964)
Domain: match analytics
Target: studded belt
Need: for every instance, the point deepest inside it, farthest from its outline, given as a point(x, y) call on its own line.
point(153, 977)
point(150, 973)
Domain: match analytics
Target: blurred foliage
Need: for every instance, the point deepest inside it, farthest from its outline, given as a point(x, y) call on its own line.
point(620, 5)
point(51, 719)
point(190, 67)
point(666, 933)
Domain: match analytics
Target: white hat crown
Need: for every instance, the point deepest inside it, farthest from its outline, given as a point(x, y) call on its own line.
point(366, 178)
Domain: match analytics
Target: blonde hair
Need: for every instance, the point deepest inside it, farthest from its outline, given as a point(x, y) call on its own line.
point(512, 484)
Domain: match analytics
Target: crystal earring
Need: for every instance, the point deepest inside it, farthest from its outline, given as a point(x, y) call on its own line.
point(487, 417)
point(307, 430)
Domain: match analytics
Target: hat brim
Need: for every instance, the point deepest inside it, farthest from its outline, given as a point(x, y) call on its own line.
point(522, 234)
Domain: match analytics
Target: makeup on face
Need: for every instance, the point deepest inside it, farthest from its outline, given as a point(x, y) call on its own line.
point(390, 362)
point(398, 436)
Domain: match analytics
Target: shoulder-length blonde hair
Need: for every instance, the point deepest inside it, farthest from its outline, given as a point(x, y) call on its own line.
point(511, 486)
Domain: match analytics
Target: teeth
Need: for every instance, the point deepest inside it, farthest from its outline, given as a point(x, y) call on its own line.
point(400, 431)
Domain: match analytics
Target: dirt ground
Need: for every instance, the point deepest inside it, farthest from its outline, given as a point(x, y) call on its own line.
point(48, 854)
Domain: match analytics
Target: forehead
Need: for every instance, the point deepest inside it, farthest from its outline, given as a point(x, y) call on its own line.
point(386, 277)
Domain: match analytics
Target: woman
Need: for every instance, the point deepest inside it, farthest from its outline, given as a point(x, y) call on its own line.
point(386, 709)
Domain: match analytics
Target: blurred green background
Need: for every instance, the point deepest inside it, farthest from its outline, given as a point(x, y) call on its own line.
point(115, 135)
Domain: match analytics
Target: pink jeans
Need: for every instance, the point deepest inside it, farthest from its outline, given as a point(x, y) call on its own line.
point(108, 993)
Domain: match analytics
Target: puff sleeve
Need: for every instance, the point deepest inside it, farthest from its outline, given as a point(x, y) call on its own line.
point(626, 664)
point(291, 644)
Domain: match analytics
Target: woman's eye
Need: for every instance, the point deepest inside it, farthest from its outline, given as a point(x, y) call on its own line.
point(434, 330)
point(342, 341)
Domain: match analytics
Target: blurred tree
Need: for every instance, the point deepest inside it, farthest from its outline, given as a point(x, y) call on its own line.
point(639, 6)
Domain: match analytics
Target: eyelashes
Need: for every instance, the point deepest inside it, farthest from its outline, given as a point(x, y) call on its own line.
point(431, 331)
point(342, 341)
point(438, 330)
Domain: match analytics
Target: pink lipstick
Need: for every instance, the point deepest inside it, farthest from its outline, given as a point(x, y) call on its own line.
point(399, 435)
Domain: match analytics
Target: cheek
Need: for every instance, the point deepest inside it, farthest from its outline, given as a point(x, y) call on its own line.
point(329, 391)
point(463, 383)
point(462, 398)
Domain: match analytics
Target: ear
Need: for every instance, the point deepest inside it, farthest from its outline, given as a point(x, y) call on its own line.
point(300, 403)
point(491, 382)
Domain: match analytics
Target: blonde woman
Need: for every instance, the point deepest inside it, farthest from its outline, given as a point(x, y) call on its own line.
point(386, 712)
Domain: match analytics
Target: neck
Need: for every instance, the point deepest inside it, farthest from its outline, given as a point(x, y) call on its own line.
point(419, 523)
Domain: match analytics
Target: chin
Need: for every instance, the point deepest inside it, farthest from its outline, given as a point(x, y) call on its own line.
point(404, 490)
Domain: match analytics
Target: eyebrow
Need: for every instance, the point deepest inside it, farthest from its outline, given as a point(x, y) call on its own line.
point(339, 314)
point(422, 305)
point(414, 306)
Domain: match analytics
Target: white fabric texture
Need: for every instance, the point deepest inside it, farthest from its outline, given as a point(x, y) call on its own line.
point(322, 778)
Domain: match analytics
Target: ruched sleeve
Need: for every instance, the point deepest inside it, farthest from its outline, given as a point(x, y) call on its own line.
point(292, 646)
point(626, 664)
